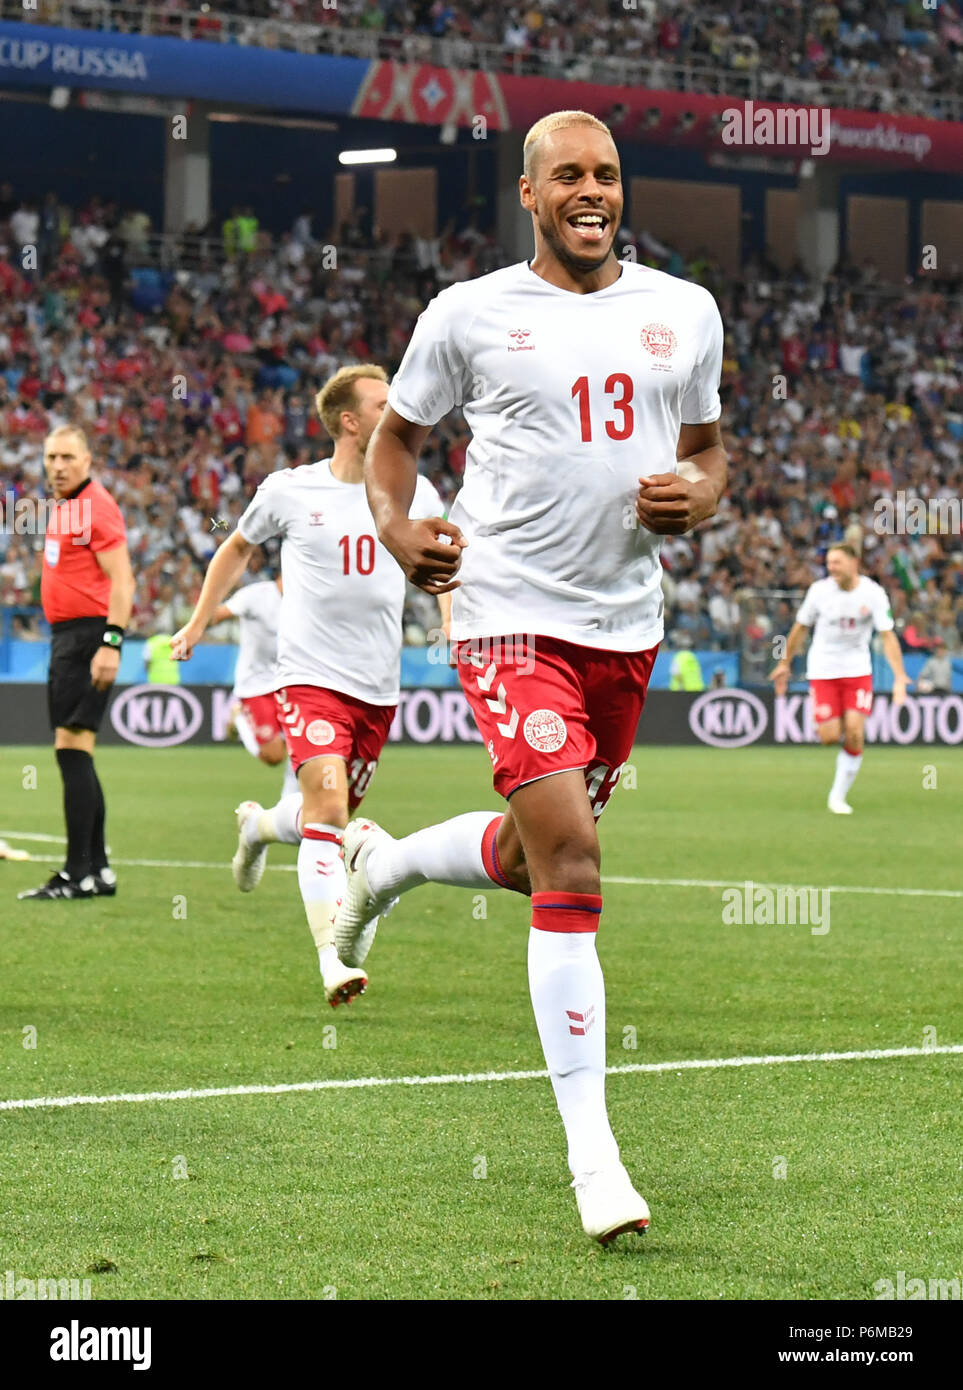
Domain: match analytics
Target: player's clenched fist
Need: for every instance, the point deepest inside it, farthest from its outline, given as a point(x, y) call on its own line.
point(429, 552)
point(669, 505)
point(184, 641)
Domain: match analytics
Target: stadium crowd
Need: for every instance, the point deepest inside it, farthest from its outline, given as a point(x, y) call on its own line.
point(894, 58)
point(195, 384)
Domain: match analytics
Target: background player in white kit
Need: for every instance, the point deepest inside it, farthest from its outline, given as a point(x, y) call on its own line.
point(257, 607)
point(576, 374)
point(844, 610)
point(339, 650)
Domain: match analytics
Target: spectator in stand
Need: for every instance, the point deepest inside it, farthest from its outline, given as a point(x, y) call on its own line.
point(936, 675)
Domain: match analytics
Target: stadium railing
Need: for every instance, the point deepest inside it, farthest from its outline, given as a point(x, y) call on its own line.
point(756, 84)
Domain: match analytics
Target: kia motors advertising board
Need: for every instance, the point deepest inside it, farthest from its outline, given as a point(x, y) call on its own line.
point(168, 716)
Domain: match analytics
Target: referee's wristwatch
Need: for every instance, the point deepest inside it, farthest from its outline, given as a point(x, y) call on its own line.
point(113, 637)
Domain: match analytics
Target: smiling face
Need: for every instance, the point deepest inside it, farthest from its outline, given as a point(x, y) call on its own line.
point(574, 191)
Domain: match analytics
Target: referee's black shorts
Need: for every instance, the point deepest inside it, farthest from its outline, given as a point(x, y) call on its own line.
point(72, 701)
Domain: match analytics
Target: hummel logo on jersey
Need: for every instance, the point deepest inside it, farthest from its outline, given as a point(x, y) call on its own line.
point(519, 337)
point(317, 518)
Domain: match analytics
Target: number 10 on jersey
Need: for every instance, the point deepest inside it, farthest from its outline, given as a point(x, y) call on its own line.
point(364, 554)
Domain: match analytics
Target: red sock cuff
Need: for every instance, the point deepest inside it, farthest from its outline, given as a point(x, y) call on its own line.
point(489, 851)
point(853, 752)
point(566, 912)
point(314, 832)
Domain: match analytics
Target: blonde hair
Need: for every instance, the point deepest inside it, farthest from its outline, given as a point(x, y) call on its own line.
point(70, 429)
point(339, 394)
point(556, 120)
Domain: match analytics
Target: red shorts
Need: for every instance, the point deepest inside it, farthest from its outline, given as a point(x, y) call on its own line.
point(262, 717)
point(325, 723)
point(545, 706)
point(832, 698)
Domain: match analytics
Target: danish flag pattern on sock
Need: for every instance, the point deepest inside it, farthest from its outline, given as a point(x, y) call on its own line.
point(581, 1023)
point(490, 860)
point(566, 912)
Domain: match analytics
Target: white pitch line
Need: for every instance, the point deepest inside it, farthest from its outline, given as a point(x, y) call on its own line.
point(797, 887)
point(224, 864)
point(23, 835)
point(471, 1078)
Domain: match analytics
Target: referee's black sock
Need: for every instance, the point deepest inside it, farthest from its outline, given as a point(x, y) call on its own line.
point(80, 804)
point(98, 853)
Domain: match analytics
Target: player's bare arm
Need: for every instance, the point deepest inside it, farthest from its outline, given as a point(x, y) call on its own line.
point(390, 474)
point(115, 563)
point(669, 504)
point(227, 565)
point(894, 656)
point(444, 609)
point(779, 675)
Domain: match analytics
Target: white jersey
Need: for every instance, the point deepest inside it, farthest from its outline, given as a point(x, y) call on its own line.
point(843, 621)
point(258, 606)
point(344, 593)
point(570, 398)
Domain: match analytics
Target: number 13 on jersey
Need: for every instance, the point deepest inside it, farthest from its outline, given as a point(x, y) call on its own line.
point(619, 387)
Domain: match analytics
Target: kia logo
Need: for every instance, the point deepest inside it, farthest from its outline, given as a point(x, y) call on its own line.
point(728, 718)
point(156, 716)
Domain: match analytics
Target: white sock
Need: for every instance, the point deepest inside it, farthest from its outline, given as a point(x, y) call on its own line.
point(279, 824)
point(568, 997)
point(847, 767)
point(321, 879)
point(290, 784)
point(448, 853)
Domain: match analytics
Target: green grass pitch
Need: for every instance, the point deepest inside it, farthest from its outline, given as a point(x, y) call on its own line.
point(807, 1180)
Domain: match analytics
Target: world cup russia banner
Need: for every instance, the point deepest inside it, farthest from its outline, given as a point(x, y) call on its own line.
point(35, 55)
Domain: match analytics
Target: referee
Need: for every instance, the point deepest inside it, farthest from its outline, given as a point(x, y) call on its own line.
point(87, 591)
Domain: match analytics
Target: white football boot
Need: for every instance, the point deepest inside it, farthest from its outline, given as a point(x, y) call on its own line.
point(609, 1205)
point(342, 983)
point(359, 911)
point(839, 806)
point(249, 860)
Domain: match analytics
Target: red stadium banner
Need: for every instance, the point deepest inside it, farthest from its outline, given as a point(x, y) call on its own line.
point(427, 95)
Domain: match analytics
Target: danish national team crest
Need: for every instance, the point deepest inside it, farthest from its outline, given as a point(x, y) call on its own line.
point(320, 733)
point(659, 340)
point(545, 731)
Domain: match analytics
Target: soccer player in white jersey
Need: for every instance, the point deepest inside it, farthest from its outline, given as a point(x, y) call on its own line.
point(257, 717)
point(590, 387)
point(844, 610)
point(339, 650)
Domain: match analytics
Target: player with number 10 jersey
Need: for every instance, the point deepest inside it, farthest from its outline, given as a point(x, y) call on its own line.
point(338, 651)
